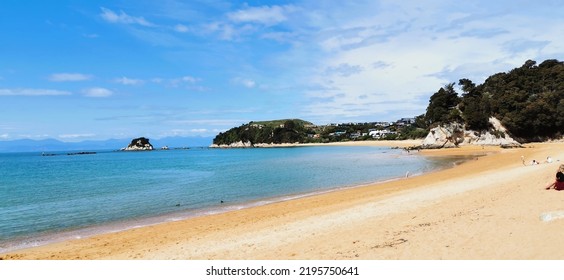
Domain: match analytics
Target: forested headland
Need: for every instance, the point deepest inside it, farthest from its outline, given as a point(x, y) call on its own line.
point(528, 100)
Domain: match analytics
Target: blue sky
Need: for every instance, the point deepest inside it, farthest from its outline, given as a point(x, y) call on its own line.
point(78, 70)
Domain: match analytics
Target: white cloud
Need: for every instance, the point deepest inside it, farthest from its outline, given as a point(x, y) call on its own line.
point(187, 132)
point(32, 92)
point(344, 69)
point(282, 37)
point(33, 136)
point(190, 79)
point(69, 77)
point(268, 15)
point(181, 28)
point(380, 64)
point(110, 16)
point(199, 130)
point(75, 136)
point(248, 83)
point(387, 60)
point(225, 31)
point(129, 82)
point(97, 92)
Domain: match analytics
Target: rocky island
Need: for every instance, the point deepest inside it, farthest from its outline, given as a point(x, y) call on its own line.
point(139, 144)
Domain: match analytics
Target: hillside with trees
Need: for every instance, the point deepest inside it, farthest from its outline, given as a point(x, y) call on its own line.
point(276, 132)
point(529, 102)
point(300, 131)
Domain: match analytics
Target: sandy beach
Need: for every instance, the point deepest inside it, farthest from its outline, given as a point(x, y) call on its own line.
point(491, 207)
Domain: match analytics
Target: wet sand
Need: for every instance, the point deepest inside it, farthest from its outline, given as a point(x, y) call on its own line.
point(491, 207)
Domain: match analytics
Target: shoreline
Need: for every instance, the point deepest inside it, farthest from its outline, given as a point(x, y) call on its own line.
point(44, 239)
point(365, 143)
point(274, 228)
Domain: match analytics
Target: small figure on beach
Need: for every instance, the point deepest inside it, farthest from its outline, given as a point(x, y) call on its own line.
point(534, 162)
point(558, 183)
point(548, 159)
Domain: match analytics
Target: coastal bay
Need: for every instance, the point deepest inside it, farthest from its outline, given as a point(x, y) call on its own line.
point(487, 208)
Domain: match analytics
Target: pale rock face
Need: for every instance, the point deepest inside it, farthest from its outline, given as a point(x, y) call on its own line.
point(239, 144)
point(139, 148)
point(444, 137)
point(454, 134)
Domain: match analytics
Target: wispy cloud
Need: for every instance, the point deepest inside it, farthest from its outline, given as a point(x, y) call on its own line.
point(69, 77)
point(97, 92)
point(123, 18)
point(185, 80)
point(77, 136)
point(248, 83)
point(267, 15)
point(32, 92)
point(190, 79)
point(344, 69)
point(400, 52)
point(380, 64)
point(225, 31)
point(250, 21)
point(128, 81)
point(181, 28)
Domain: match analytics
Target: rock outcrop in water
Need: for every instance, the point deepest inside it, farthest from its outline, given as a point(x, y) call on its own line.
point(139, 144)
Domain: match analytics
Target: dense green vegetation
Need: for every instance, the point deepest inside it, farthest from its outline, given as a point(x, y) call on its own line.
point(279, 131)
point(295, 130)
point(528, 100)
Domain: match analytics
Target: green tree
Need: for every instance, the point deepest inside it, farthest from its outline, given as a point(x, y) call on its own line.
point(442, 106)
point(474, 106)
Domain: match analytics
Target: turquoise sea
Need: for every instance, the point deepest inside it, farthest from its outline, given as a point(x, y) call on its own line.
point(50, 198)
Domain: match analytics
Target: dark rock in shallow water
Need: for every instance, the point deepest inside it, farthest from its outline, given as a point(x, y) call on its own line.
point(81, 153)
point(139, 144)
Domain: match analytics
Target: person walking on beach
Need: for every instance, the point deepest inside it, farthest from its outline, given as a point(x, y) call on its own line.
point(558, 183)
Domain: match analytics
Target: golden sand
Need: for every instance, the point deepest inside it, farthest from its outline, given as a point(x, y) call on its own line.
point(492, 207)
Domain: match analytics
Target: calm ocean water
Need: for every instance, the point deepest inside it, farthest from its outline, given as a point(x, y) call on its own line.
point(48, 198)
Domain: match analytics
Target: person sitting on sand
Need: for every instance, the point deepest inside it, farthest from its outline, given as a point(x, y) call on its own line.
point(558, 184)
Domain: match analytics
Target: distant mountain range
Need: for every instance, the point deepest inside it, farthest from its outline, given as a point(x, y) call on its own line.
point(46, 145)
